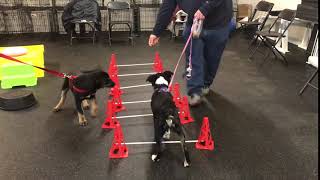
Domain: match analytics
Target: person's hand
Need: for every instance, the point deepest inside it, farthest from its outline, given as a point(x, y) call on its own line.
point(153, 40)
point(198, 15)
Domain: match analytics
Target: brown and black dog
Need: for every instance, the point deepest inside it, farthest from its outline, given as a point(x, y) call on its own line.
point(84, 87)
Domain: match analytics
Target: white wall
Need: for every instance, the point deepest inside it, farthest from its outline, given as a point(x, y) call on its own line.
point(278, 4)
point(285, 4)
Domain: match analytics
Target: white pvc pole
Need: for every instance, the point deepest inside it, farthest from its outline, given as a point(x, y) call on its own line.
point(128, 87)
point(137, 74)
point(163, 142)
point(136, 102)
point(130, 65)
point(133, 116)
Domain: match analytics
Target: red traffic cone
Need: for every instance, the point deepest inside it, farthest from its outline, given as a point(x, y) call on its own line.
point(176, 94)
point(205, 140)
point(117, 102)
point(184, 112)
point(118, 148)
point(110, 121)
point(116, 87)
point(113, 69)
point(157, 64)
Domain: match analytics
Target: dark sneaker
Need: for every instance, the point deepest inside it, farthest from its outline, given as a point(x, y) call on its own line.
point(194, 99)
point(205, 91)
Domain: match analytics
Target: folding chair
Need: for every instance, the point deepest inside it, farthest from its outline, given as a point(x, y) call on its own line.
point(313, 61)
point(82, 26)
point(114, 10)
point(258, 18)
point(271, 38)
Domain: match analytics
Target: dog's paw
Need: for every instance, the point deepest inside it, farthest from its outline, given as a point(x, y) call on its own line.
point(155, 158)
point(94, 113)
point(56, 109)
point(85, 105)
point(83, 123)
point(186, 164)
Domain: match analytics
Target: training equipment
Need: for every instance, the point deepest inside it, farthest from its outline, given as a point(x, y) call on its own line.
point(184, 112)
point(205, 140)
point(116, 89)
point(110, 121)
point(113, 69)
point(17, 74)
point(176, 94)
point(33, 54)
point(118, 148)
point(157, 64)
point(14, 100)
point(117, 101)
point(162, 142)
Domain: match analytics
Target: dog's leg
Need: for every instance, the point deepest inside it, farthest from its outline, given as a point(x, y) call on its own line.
point(158, 133)
point(82, 119)
point(94, 106)
point(64, 91)
point(177, 128)
point(85, 104)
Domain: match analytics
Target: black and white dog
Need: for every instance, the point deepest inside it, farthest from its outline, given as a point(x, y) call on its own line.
point(84, 87)
point(165, 115)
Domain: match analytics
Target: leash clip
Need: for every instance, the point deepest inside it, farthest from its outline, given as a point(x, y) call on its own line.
point(65, 75)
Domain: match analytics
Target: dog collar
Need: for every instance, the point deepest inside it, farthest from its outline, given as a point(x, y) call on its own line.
point(163, 89)
point(74, 88)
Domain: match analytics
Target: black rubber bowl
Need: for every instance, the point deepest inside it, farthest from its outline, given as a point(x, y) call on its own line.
point(15, 100)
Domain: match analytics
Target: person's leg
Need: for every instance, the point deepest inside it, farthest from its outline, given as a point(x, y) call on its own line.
point(215, 42)
point(195, 83)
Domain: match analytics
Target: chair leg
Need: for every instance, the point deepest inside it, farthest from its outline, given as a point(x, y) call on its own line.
point(93, 29)
point(255, 50)
point(71, 38)
point(130, 34)
point(109, 34)
point(283, 57)
point(94, 36)
point(265, 59)
point(270, 47)
point(308, 82)
point(252, 42)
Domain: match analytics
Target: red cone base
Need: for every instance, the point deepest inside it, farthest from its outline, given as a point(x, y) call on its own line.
point(176, 94)
point(118, 149)
point(184, 112)
point(110, 121)
point(205, 140)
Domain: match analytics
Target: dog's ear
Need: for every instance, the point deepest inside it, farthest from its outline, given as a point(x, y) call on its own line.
point(167, 75)
point(152, 78)
point(106, 80)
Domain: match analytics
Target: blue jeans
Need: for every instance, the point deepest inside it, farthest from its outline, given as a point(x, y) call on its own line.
point(206, 55)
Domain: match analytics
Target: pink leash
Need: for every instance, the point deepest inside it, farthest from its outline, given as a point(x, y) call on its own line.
point(181, 55)
point(194, 32)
